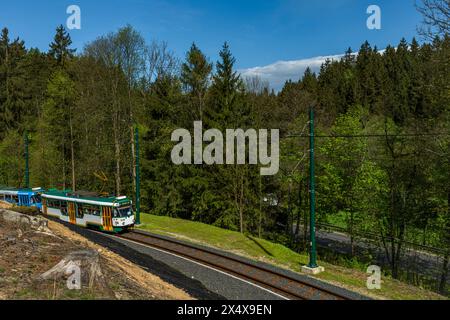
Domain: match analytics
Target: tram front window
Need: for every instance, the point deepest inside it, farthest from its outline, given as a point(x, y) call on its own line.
point(36, 199)
point(122, 212)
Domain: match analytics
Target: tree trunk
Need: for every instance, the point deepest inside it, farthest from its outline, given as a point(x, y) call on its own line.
point(241, 200)
point(19, 168)
point(392, 224)
point(43, 172)
point(72, 153)
point(288, 228)
point(133, 151)
point(396, 257)
point(64, 166)
point(297, 226)
point(352, 238)
point(116, 131)
point(260, 206)
point(117, 153)
point(444, 274)
point(200, 102)
point(424, 235)
point(117, 156)
point(133, 157)
point(305, 223)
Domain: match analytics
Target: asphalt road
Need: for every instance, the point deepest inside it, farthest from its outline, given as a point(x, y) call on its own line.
point(421, 262)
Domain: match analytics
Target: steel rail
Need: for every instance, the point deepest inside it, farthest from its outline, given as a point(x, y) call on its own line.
point(288, 286)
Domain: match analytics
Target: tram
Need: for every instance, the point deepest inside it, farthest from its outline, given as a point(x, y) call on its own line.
point(86, 209)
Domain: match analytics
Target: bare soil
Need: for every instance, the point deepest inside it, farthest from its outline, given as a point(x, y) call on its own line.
point(27, 253)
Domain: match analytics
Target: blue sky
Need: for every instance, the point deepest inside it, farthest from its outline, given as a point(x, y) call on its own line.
point(260, 32)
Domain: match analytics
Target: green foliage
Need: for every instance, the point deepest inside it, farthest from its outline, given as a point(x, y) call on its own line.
point(60, 47)
point(11, 170)
point(372, 175)
point(54, 138)
point(195, 76)
point(226, 100)
point(12, 82)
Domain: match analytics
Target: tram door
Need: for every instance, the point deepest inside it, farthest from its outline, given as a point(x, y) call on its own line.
point(44, 206)
point(72, 216)
point(107, 219)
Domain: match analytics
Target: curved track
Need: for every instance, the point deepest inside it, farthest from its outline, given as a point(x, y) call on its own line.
point(290, 287)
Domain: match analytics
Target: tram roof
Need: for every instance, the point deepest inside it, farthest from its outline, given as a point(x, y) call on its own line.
point(15, 191)
point(86, 197)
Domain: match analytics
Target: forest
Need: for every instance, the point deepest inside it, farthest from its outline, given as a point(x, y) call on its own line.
point(382, 145)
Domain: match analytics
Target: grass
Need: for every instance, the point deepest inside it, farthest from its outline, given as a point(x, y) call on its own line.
point(276, 254)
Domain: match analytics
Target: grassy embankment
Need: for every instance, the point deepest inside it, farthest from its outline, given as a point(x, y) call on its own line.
point(276, 254)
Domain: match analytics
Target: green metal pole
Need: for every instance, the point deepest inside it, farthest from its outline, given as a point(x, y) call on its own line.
point(27, 168)
point(313, 252)
point(138, 178)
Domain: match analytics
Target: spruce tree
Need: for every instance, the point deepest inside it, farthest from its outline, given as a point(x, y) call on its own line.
point(12, 84)
point(229, 108)
point(195, 73)
point(60, 47)
point(349, 57)
point(4, 86)
point(226, 89)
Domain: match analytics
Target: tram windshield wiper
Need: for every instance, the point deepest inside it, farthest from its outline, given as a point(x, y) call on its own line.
point(122, 212)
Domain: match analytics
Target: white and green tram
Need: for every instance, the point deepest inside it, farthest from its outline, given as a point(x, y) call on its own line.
point(110, 214)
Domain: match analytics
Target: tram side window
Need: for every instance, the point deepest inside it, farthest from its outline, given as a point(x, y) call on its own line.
point(15, 198)
point(36, 199)
point(20, 200)
point(80, 211)
point(55, 204)
point(91, 210)
point(63, 209)
point(95, 210)
point(23, 200)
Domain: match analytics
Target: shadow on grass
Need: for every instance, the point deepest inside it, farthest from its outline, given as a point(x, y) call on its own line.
point(259, 245)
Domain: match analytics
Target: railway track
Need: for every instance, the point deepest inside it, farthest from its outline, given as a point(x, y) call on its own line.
point(291, 287)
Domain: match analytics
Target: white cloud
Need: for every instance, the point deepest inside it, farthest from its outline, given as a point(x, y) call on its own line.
point(279, 72)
